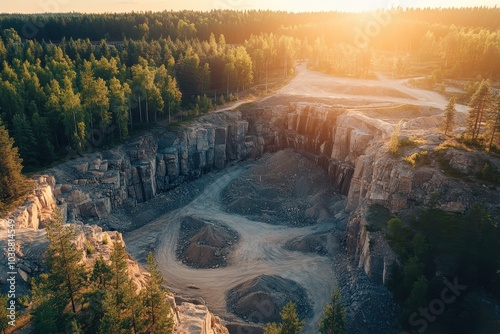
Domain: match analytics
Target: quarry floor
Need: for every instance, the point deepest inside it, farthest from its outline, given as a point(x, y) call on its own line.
point(265, 236)
point(261, 246)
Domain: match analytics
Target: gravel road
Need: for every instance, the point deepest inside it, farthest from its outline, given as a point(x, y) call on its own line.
point(259, 251)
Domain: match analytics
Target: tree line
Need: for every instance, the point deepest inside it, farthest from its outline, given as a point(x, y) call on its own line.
point(483, 117)
point(77, 94)
point(67, 87)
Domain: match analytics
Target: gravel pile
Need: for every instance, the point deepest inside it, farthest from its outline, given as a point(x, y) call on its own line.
point(285, 188)
point(261, 299)
point(204, 244)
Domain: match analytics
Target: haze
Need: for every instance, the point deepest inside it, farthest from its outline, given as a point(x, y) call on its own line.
point(99, 6)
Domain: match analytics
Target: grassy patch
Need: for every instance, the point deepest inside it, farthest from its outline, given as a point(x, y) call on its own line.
point(418, 158)
point(89, 248)
point(412, 141)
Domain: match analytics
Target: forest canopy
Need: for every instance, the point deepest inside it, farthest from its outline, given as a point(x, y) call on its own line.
point(77, 81)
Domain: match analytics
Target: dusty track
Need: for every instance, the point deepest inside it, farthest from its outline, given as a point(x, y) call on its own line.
point(259, 251)
point(384, 90)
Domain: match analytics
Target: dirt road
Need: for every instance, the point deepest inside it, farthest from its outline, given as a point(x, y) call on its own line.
point(259, 251)
point(317, 84)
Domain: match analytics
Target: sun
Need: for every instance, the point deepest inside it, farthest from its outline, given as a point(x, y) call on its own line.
point(344, 6)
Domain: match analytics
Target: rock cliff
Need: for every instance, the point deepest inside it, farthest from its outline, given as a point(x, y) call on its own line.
point(348, 144)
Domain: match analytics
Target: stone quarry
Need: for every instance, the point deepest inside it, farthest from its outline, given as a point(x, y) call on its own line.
point(298, 175)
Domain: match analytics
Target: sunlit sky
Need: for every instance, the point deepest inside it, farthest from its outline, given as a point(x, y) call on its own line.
point(98, 6)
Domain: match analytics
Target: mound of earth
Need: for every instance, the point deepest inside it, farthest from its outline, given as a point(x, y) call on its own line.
point(261, 299)
point(204, 244)
point(312, 243)
point(282, 188)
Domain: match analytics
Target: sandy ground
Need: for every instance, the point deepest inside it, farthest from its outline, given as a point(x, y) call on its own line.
point(316, 84)
point(260, 250)
point(264, 246)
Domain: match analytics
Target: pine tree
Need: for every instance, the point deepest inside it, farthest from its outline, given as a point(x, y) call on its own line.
point(479, 107)
point(111, 322)
point(117, 295)
point(333, 320)
point(157, 310)
point(44, 314)
point(450, 114)
point(66, 272)
point(100, 281)
point(119, 271)
point(290, 322)
point(494, 123)
point(24, 139)
point(101, 274)
point(118, 101)
point(13, 185)
point(134, 312)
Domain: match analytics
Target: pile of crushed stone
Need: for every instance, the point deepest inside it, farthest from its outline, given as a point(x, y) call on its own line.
point(204, 244)
point(283, 188)
point(261, 299)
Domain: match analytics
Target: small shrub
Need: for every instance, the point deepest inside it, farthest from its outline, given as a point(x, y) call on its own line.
point(105, 239)
point(417, 158)
point(412, 141)
point(488, 174)
point(89, 248)
point(394, 143)
point(24, 300)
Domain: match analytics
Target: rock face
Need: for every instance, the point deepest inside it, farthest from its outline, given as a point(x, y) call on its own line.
point(196, 319)
point(37, 208)
point(349, 145)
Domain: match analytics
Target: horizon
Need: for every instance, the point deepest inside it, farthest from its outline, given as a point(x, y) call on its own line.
point(124, 6)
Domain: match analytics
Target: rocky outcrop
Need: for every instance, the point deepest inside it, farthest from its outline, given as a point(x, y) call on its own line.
point(349, 145)
point(196, 319)
point(37, 207)
point(370, 250)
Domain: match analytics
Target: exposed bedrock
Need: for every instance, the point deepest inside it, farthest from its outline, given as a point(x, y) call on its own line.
point(348, 144)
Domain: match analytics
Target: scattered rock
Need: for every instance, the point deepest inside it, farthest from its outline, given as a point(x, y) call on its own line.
point(260, 300)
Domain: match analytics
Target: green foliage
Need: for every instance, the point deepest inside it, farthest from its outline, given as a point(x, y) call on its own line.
point(450, 115)
point(105, 239)
point(158, 314)
point(13, 185)
point(479, 106)
point(45, 316)
point(334, 320)
point(489, 174)
point(398, 235)
point(418, 294)
point(66, 273)
point(417, 158)
point(4, 313)
point(290, 322)
point(394, 144)
point(203, 104)
point(469, 246)
point(89, 247)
